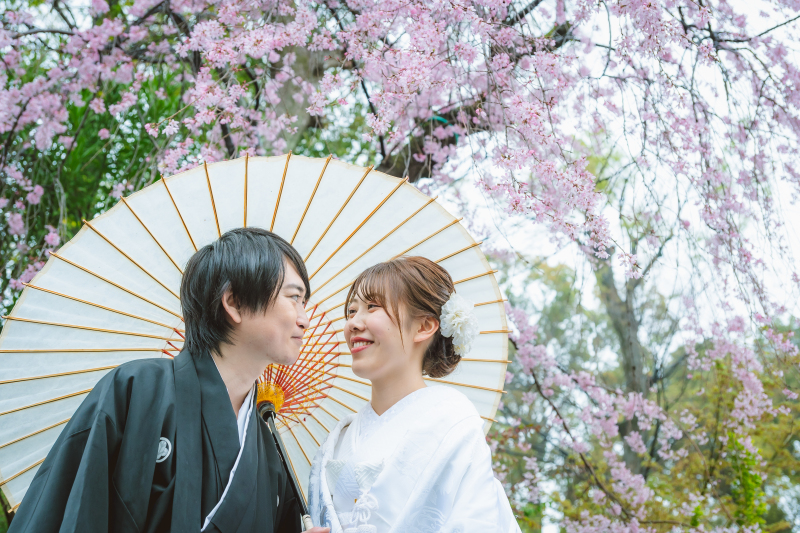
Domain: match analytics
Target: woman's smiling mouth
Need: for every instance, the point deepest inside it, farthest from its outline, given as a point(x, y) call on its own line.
point(359, 344)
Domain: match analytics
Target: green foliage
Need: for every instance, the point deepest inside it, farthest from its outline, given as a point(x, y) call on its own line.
point(746, 490)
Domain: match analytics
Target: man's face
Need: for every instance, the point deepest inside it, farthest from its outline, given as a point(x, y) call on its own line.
point(277, 332)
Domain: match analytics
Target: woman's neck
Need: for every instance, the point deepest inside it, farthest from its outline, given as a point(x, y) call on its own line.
point(386, 393)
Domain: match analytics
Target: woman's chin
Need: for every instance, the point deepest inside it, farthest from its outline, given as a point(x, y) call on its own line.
point(362, 369)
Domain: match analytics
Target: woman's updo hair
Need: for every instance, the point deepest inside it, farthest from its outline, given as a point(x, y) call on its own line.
point(421, 288)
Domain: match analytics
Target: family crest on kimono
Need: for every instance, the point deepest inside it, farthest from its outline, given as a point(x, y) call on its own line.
point(415, 458)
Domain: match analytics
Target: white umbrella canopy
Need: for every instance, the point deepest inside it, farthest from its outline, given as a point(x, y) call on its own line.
point(110, 295)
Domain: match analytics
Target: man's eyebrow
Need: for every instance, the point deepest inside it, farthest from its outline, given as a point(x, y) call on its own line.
point(298, 287)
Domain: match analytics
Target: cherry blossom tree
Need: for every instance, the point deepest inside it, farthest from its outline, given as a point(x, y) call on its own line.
point(652, 138)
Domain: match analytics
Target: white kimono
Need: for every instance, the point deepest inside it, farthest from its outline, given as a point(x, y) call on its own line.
point(423, 466)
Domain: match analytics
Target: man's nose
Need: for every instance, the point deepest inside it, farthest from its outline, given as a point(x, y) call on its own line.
point(302, 319)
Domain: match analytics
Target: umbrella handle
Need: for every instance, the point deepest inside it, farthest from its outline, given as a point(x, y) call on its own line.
point(266, 411)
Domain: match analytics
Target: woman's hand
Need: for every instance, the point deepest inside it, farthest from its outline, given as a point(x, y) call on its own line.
point(319, 530)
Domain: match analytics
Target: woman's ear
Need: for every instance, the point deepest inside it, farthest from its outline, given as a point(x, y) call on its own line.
point(427, 327)
point(231, 306)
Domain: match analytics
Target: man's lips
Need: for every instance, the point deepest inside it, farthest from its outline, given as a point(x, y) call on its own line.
point(359, 344)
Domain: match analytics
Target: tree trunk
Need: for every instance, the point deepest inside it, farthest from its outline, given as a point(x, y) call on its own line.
point(623, 319)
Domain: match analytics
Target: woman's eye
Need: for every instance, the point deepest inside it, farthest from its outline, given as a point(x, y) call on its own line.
point(296, 297)
point(370, 306)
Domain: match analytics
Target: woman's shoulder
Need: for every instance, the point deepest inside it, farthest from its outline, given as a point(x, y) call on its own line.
point(449, 398)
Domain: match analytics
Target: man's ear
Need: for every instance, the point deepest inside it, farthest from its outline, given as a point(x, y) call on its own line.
point(428, 326)
point(231, 306)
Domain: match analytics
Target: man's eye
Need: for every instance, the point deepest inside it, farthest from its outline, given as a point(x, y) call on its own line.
point(295, 297)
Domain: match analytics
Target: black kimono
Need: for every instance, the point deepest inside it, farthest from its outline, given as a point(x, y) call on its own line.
point(151, 449)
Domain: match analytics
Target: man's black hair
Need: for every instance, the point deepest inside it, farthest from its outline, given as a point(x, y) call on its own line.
point(251, 261)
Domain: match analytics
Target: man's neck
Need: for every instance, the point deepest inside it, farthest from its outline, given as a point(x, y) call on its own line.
point(239, 370)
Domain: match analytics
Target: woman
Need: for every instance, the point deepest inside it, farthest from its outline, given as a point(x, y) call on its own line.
point(415, 458)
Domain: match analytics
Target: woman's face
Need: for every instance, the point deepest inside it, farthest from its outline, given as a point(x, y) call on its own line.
point(375, 342)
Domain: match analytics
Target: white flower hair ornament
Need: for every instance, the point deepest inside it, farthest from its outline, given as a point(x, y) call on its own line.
point(459, 322)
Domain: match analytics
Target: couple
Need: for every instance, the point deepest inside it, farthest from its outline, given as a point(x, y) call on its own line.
point(176, 445)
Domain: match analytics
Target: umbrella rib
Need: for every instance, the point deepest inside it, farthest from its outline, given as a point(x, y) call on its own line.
point(338, 213)
point(348, 378)
point(280, 191)
point(9, 443)
point(124, 201)
point(99, 306)
point(341, 403)
point(246, 165)
point(397, 187)
point(454, 283)
point(211, 194)
point(185, 227)
point(311, 199)
point(82, 350)
point(334, 332)
point(395, 257)
point(329, 414)
point(37, 463)
point(298, 440)
point(300, 419)
point(456, 221)
point(488, 272)
point(432, 235)
point(291, 464)
point(501, 391)
point(312, 416)
point(56, 255)
point(492, 302)
point(43, 402)
point(129, 258)
point(72, 372)
point(462, 360)
point(415, 213)
point(90, 328)
point(351, 393)
point(464, 249)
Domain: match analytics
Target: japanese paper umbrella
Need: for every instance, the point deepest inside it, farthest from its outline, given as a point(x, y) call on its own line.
point(110, 295)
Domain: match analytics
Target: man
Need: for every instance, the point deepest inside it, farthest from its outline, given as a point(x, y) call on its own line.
point(176, 445)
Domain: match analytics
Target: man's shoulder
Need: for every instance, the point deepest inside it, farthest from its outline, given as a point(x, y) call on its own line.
point(146, 368)
point(137, 376)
